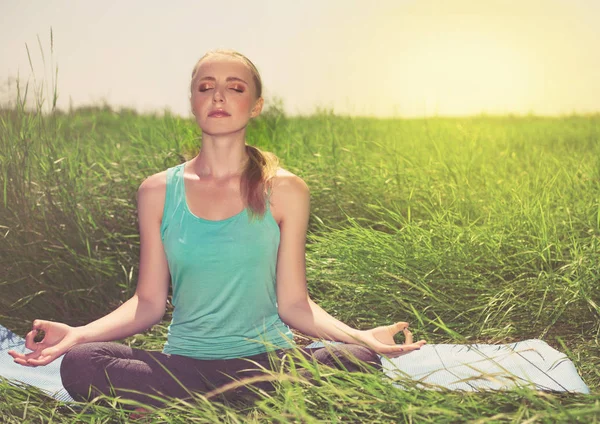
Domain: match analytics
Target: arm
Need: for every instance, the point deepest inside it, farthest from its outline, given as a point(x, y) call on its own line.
point(147, 306)
point(144, 309)
point(292, 199)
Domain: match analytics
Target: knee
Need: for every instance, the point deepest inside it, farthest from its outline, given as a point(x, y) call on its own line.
point(72, 361)
point(364, 355)
point(76, 371)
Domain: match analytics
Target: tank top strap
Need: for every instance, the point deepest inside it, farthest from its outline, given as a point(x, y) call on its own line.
point(172, 196)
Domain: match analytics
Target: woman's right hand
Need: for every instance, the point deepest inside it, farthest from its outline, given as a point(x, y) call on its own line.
point(57, 340)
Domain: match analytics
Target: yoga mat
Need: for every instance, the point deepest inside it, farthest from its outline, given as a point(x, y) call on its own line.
point(478, 367)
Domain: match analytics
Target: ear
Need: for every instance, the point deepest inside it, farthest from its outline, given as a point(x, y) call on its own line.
point(191, 104)
point(257, 107)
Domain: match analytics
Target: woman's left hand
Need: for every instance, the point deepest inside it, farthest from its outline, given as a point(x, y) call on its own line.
point(381, 339)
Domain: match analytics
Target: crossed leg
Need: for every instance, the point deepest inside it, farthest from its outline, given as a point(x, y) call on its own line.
point(91, 369)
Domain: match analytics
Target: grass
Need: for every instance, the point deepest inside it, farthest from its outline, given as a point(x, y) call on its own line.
point(480, 229)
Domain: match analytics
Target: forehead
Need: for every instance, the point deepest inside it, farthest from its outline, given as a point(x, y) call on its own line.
point(223, 66)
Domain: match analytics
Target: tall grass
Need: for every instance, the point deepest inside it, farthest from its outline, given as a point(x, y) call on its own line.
point(479, 229)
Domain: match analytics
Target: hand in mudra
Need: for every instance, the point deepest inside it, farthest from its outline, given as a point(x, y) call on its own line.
point(58, 338)
point(381, 339)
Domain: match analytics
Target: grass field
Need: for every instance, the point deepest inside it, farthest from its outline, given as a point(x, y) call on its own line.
point(482, 229)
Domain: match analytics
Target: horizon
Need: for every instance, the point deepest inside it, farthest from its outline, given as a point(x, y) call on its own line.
point(399, 59)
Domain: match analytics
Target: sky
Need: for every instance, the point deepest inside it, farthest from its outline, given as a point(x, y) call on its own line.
point(384, 58)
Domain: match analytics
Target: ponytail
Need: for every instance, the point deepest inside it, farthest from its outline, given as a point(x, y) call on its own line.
point(256, 182)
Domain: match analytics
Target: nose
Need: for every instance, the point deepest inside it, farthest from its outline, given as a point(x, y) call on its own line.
point(218, 96)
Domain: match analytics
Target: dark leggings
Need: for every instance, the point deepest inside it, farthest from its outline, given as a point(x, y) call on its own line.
point(90, 369)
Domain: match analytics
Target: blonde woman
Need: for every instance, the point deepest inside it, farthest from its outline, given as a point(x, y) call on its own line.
point(227, 229)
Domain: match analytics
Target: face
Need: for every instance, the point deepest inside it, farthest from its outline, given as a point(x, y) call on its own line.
point(223, 96)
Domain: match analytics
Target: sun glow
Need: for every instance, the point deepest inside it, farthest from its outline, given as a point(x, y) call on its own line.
point(459, 73)
point(408, 58)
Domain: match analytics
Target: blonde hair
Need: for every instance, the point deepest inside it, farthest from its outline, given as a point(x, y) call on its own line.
point(257, 177)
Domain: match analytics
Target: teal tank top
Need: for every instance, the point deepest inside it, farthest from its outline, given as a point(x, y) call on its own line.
point(223, 277)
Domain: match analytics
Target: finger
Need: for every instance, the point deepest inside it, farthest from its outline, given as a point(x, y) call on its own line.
point(47, 355)
point(408, 337)
point(16, 355)
point(397, 327)
point(413, 346)
point(399, 350)
point(42, 360)
point(30, 343)
point(393, 349)
point(40, 324)
point(21, 358)
point(21, 361)
point(32, 355)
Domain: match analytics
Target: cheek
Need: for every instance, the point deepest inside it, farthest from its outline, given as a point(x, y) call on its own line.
point(245, 103)
point(194, 99)
point(196, 102)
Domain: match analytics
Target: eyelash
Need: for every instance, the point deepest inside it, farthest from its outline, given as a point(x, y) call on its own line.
point(203, 89)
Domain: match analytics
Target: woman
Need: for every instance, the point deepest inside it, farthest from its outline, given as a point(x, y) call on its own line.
point(228, 229)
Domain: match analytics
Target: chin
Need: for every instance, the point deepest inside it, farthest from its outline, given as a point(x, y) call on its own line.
point(222, 129)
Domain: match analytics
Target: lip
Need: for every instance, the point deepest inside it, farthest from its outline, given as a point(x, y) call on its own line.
point(218, 113)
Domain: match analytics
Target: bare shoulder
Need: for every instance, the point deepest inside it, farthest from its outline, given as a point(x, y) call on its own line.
point(151, 194)
point(154, 182)
point(288, 183)
point(290, 195)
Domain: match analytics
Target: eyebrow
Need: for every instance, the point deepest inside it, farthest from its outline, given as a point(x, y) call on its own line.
point(227, 79)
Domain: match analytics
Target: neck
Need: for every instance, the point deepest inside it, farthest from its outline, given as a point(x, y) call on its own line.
point(221, 156)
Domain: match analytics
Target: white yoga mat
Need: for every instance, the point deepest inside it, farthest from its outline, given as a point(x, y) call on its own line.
point(477, 367)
